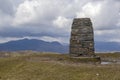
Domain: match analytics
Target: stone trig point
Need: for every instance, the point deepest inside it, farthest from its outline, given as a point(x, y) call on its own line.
point(82, 38)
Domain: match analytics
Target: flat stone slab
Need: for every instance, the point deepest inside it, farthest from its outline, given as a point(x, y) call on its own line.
point(95, 59)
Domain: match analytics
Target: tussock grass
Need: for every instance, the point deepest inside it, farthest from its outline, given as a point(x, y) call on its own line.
point(54, 67)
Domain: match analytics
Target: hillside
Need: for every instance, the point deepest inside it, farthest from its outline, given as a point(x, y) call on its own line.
point(107, 46)
point(35, 45)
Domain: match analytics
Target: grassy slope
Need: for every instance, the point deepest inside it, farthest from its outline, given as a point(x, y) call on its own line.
point(54, 67)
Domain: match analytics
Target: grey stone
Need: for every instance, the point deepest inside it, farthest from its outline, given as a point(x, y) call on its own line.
point(82, 38)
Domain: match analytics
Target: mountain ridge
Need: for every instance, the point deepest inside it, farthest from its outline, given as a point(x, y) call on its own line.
point(107, 46)
point(44, 46)
point(33, 44)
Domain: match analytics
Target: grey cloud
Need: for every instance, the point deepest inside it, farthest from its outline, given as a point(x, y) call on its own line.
point(6, 7)
point(109, 15)
point(31, 32)
point(36, 17)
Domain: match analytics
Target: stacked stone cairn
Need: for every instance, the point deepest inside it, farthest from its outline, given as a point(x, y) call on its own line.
point(82, 38)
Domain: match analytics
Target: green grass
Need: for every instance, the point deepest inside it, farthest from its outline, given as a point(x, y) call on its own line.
point(54, 67)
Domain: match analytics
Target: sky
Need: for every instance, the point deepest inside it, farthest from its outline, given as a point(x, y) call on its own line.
point(51, 20)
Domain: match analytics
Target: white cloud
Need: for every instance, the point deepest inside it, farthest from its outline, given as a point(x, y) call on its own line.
point(109, 15)
point(37, 11)
point(90, 10)
point(54, 17)
point(107, 35)
point(62, 22)
point(49, 39)
point(58, 39)
point(103, 15)
point(6, 39)
point(102, 32)
point(25, 12)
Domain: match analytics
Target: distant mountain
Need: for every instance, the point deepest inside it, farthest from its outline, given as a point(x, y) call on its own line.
point(43, 46)
point(33, 44)
point(107, 46)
